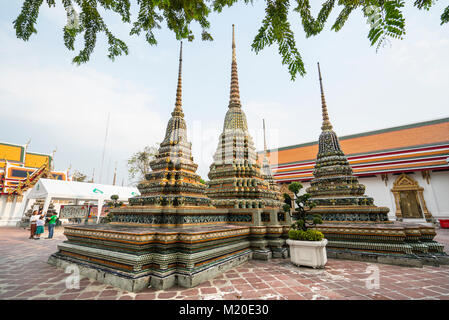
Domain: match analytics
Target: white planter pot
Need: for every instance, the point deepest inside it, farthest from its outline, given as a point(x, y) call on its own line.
point(308, 253)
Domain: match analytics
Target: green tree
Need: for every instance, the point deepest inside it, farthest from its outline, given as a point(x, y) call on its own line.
point(385, 18)
point(78, 176)
point(139, 163)
point(303, 205)
point(114, 203)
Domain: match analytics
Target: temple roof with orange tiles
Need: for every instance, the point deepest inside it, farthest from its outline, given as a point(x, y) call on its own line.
point(414, 147)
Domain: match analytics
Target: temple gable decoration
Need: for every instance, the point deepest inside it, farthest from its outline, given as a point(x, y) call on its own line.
point(409, 199)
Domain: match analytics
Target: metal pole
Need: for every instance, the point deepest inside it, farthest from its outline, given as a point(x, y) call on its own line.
point(104, 147)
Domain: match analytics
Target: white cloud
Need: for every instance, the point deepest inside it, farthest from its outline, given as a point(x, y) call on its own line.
point(74, 103)
point(425, 59)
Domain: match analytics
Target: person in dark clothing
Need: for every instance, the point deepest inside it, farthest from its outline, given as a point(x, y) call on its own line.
point(33, 226)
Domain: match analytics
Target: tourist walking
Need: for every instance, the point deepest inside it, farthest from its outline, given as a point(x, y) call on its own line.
point(51, 225)
point(39, 227)
point(33, 220)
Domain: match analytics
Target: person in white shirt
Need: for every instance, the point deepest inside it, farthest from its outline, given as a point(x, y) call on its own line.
point(40, 227)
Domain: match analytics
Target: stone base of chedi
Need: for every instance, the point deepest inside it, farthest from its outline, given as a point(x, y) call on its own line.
point(132, 256)
point(394, 243)
point(354, 226)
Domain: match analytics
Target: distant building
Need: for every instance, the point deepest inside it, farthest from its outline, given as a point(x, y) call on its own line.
point(404, 168)
point(19, 171)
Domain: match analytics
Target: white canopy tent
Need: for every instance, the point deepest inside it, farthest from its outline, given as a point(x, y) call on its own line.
point(49, 189)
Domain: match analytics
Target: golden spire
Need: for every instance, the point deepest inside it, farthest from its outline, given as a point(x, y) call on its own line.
point(178, 103)
point(326, 123)
point(235, 95)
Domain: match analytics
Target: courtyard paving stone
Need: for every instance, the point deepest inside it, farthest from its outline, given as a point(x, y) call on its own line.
point(276, 279)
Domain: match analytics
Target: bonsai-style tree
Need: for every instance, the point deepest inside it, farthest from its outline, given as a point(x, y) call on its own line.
point(300, 228)
point(112, 204)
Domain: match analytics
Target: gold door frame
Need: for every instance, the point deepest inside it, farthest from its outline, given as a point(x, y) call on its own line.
point(407, 183)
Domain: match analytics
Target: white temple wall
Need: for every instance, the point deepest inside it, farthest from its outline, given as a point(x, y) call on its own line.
point(439, 183)
point(10, 211)
point(436, 193)
point(376, 188)
point(431, 203)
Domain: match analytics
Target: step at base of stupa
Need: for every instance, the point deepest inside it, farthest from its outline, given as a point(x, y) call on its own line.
point(109, 266)
point(399, 259)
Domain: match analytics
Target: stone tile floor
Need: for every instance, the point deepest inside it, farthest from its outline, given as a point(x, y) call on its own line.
point(24, 274)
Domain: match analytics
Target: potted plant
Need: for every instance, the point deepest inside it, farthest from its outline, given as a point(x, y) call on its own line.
point(110, 205)
point(307, 245)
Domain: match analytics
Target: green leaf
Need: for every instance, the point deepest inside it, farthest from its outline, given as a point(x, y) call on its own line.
point(445, 16)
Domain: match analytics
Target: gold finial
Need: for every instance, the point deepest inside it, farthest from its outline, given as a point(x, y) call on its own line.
point(178, 103)
point(235, 94)
point(233, 39)
point(326, 123)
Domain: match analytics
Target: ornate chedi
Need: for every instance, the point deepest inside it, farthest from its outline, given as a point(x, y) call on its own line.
point(337, 193)
point(173, 181)
point(353, 225)
point(236, 180)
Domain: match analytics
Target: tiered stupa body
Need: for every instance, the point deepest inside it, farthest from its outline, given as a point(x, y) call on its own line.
point(337, 193)
point(238, 184)
point(354, 226)
point(236, 180)
point(173, 181)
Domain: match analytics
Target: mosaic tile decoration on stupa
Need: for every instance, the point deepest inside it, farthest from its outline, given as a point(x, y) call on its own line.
point(176, 231)
point(236, 180)
point(352, 223)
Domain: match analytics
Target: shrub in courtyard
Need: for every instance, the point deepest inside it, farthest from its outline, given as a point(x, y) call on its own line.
point(300, 229)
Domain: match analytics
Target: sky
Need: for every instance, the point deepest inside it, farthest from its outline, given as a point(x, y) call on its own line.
point(56, 104)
